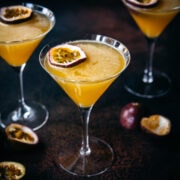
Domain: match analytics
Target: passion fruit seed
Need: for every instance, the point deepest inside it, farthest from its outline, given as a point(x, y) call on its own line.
point(11, 170)
point(14, 14)
point(17, 132)
point(143, 3)
point(66, 55)
point(156, 124)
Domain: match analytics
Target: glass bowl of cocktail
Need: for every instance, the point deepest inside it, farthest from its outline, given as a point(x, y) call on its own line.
point(85, 80)
point(18, 39)
point(152, 17)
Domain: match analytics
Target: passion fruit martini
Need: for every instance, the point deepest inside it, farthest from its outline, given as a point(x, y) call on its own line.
point(22, 28)
point(97, 61)
point(152, 17)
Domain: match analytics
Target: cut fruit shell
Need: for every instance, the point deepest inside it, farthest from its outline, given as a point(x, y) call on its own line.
point(143, 3)
point(15, 14)
point(66, 55)
point(20, 134)
point(156, 124)
point(10, 170)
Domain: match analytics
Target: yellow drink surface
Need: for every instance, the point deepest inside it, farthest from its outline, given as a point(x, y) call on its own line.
point(86, 82)
point(152, 21)
point(18, 41)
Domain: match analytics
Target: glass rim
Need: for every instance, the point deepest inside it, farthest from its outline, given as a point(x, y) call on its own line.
point(37, 8)
point(175, 8)
point(124, 51)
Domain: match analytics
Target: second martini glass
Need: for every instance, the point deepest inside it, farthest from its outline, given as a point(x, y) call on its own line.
point(85, 83)
point(17, 43)
point(152, 20)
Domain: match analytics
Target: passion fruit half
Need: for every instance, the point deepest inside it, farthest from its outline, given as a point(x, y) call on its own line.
point(15, 14)
point(10, 170)
point(143, 3)
point(20, 135)
point(66, 55)
point(156, 124)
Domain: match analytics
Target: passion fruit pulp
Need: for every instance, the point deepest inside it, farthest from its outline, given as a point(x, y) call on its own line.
point(66, 55)
point(15, 14)
point(156, 125)
point(21, 135)
point(11, 170)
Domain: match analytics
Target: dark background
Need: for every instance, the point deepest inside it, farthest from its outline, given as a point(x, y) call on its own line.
point(138, 155)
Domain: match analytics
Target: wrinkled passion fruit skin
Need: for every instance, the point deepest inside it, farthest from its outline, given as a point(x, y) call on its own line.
point(131, 114)
point(156, 125)
point(143, 3)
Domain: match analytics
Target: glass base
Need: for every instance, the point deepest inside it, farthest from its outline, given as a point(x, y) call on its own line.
point(159, 87)
point(34, 116)
point(99, 160)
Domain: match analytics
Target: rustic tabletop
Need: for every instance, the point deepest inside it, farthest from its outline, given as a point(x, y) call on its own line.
point(138, 156)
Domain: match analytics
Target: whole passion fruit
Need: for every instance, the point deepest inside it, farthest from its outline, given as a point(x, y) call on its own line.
point(20, 135)
point(11, 170)
point(131, 114)
point(156, 125)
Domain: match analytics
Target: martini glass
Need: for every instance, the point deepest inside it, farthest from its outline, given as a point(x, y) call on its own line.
point(152, 21)
point(17, 43)
point(84, 84)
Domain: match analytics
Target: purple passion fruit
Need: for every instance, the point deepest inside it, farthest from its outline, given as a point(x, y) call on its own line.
point(143, 3)
point(66, 55)
point(11, 170)
point(156, 124)
point(131, 115)
point(15, 14)
point(20, 135)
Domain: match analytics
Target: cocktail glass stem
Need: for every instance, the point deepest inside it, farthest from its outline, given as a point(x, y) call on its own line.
point(150, 83)
point(148, 71)
point(23, 109)
point(31, 114)
point(85, 114)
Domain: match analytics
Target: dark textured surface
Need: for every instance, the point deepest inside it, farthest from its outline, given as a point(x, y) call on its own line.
point(138, 156)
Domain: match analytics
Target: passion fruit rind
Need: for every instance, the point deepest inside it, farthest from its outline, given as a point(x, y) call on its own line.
point(20, 136)
point(156, 125)
point(66, 55)
point(10, 170)
point(15, 14)
point(143, 3)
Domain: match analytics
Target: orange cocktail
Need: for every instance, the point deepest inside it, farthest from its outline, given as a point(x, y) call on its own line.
point(154, 20)
point(86, 82)
point(84, 69)
point(25, 37)
point(22, 28)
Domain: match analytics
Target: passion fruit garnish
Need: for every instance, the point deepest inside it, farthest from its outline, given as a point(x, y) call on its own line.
point(20, 135)
point(15, 14)
point(10, 170)
point(143, 3)
point(66, 55)
point(156, 124)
